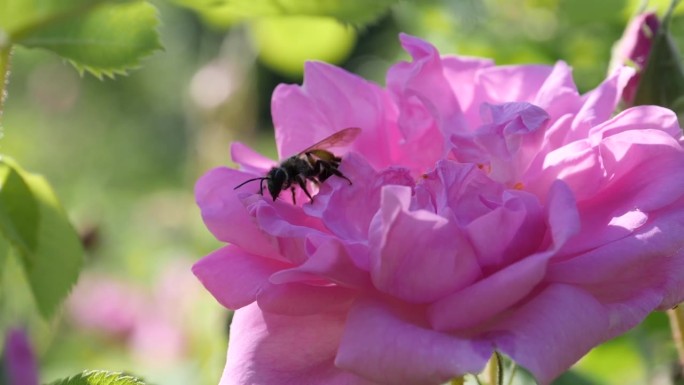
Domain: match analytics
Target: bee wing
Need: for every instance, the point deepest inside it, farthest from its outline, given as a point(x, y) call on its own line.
point(338, 139)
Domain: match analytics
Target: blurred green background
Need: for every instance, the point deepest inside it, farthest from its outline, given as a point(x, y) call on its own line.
point(123, 156)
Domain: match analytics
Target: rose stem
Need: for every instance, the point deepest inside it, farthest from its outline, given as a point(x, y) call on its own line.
point(676, 315)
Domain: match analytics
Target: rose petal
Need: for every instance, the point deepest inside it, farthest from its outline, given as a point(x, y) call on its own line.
point(577, 164)
point(630, 312)
point(233, 276)
point(514, 83)
point(558, 94)
point(346, 210)
point(286, 350)
point(487, 297)
point(459, 72)
point(429, 110)
point(600, 103)
point(250, 160)
point(497, 292)
point(646, 166)
point(563, 217)
point(674, 284)
point(552, 331)
point(512, 136)
point(425, 79)
point(333, 100)
point(550, 88)
point(400, 261)
point(388, 345)
point(646, 169)
point(631, 266)
point(331, 262)
point(225, 215)
point(520, 224)
point(298, 299)
point(638, 118)
point(463, 189)
point(288, 224)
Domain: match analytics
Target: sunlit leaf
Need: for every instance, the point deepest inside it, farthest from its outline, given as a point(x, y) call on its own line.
point(285, 43)
point(103, 38)
point(226, 12)
point(99, 377)
point(17, 15)
point(34, 222)
point(662, 81)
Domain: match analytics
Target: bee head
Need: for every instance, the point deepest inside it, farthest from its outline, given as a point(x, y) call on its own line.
point(277, 178)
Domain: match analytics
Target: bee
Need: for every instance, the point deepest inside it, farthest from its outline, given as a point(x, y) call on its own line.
point(315, 164)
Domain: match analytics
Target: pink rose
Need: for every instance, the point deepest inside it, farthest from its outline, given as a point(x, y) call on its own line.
point(492, 208)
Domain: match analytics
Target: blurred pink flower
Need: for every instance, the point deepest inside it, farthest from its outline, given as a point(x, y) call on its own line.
point(105, 304)
point(20, 366)
point(634, 47)
point(150, 321)
point(492, 208)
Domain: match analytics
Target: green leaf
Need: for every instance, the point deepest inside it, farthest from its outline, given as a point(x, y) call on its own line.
point(286, 43)
point(16, 15)
point(35, 224)
point(226, 12)
point(523, 377)
point(662, 81)
point(4, 252)
point(99, 377)
point(18, 210)
point(573, 378)
point(103, 38)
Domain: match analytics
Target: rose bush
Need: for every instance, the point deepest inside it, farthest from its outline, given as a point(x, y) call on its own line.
point(492, 208)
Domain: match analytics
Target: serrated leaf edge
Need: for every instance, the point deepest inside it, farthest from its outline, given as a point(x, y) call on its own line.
point(112, 72)
point(99, 72)
point(86, 374)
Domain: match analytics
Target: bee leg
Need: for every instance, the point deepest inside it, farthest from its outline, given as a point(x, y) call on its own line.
point(294, 200)
point(261, 187)
point(302, 184)
point(335, 172)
